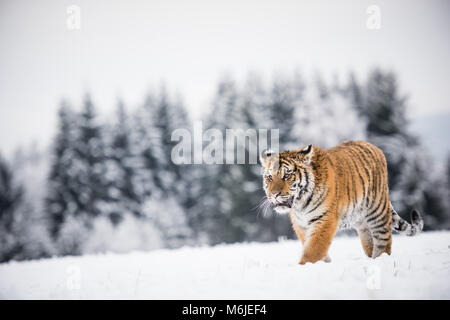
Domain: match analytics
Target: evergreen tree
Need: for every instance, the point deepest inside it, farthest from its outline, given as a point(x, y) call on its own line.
point(324, 115)
point(436, 205)
point(144, 147)
point(385, 108)
point(171, 115)
point(89, 158)
point(437, 198)
point(11, 197)
point(283, 97)
point(354, 93)
point(22, 233)
point(161, 186)
point(77, 186)
point(61, 199)
point(121, 168)
point(211, 213)
point(447, 176)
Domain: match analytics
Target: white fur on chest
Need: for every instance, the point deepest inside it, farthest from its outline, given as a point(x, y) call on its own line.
point(299, 219)
point(302, 217)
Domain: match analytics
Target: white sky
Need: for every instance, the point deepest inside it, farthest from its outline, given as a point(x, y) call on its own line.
point(126, 47)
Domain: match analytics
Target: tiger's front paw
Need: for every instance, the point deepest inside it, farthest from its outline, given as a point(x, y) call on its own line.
point(306, 259)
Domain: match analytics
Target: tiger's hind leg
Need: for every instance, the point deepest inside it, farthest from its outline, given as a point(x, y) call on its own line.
point(382, 243)
point(379, 223)
point(366, 240)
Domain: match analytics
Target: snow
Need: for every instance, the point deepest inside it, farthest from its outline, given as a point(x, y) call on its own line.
point(419, 268)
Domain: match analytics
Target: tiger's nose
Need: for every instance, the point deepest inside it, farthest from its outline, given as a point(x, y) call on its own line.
point(276, 194)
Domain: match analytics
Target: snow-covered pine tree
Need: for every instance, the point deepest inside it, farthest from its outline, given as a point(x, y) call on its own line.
point(437, 195)
point(89, 163)
point(285, 95)
point(354, 92)
point(61, 198)
point(30, 230)
point(436, 203)
point(144, 147)
point(11, 197)
point(326, 117)
point(121, 167)
point(23, 231)
point(159, 182)
point(210, 217)
point(77, 185)
point(171, 115)
point(447, 177)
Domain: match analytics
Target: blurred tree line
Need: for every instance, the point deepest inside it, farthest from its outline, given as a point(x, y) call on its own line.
point(111, 185)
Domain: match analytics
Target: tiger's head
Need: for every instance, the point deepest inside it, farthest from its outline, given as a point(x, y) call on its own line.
point(286, 175)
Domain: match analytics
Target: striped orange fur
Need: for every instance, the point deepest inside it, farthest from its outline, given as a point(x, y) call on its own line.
point(326, 190)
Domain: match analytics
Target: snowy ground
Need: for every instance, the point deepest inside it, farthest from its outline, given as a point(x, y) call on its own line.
point(419, 268)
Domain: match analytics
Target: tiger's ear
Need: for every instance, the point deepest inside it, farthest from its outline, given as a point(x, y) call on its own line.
point(265, 157)
point(306, 154)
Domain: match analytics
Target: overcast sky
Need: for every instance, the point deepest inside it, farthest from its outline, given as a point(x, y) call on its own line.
point(126, 47)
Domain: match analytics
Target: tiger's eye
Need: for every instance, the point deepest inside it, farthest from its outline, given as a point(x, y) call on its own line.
point(269, 177)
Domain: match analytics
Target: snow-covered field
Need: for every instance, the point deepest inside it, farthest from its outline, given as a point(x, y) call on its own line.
point(419, 268)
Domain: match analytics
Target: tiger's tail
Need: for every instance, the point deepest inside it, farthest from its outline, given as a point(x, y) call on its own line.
point(403, 227)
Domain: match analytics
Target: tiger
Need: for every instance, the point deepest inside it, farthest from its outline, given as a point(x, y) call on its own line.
point(326, 190)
